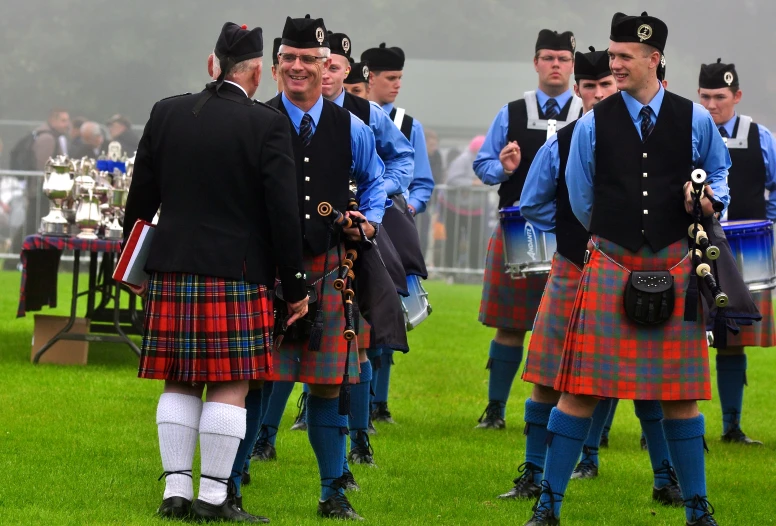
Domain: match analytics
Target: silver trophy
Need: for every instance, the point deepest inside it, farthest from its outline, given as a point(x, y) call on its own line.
point(117, 200)
point(58, 187)
point(87, 215)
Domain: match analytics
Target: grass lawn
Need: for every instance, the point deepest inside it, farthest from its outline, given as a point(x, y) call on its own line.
point(78, 445)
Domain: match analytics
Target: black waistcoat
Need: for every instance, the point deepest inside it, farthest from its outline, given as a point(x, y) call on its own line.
point(570, 235)
point(322, 171)
point(530, 141)
point(747, 178)
point(406, 123)
point(357, 106)
point(638, 193)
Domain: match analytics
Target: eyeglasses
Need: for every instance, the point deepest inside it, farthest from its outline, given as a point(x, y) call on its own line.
point(550, 60)
point(290, 58)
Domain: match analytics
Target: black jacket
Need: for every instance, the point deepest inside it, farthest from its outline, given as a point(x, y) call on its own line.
point(226, 182)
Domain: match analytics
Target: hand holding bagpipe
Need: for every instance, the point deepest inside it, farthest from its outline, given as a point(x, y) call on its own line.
point(353, 223)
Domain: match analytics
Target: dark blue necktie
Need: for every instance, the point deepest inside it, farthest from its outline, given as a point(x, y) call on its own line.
point(551, 109)
point(306, 129)
point(723, 132)
point(646, 122)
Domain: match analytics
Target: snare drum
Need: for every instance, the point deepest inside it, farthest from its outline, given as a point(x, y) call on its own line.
point(416, 307)
point(527, 249)
point(752, 245)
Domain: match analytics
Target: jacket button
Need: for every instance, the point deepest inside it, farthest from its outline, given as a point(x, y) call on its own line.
point(646, 212)
point(644, 174)
point(307, 216)
point(307, 198)
point(644, 155)
point(307, 179)
point(307, 159)
point(645, 193)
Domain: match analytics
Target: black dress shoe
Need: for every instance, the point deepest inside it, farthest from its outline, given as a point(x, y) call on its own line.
point(174, 508)
point(668, 495)
point(300, 422)
point(227, 511)
point(338, 507)
point(544, 513)
point(361, 451)
point(525, 487)
point(348, 482)
point(703, 512)
point(381, 413)
point(584, 471)
point(263, 450)
point(491, 418)
point(734, 435)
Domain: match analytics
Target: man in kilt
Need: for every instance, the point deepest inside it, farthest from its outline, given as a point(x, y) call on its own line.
point(628, 182)
point(545, 203)
point(752, 181)
point(331, 148)
point(510, 305)
point(209, 311)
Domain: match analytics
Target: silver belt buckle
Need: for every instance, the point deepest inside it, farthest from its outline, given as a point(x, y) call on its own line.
point(587, 256)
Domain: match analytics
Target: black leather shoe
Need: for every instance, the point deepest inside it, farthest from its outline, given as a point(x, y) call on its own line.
point(348, 482)
point(544, 513)
point(263, 450)
point(525, 487)
point(300, 422)
point(174, 508)
point(702, 514)
point(491, 418)
point(584, 471)
point(338, 507)
point(669, 495)
point(245, 479)
point(361, 451)
point(227, 511)
point(371, 427)
point(736, 436)
point(381, 413)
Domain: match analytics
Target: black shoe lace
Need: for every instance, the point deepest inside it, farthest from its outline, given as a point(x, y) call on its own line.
point(703, 506)
point(589, 453)
point(362, 443)
point(301, 405)
point(492, 411)
point(546, 510)
point(668, 469)
point(264, 436)
point(186, 472)
point(527, 472)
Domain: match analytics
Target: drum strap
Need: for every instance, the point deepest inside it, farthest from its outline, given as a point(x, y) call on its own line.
point(398, 119)
point(741, 140)
point(536, 123)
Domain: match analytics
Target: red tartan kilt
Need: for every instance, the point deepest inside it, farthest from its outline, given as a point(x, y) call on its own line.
point(607, 355)
point(294, 362)
point(508, 303)
point(545, 348)
point(762, 333)
point(364, 334)
point(206, 329)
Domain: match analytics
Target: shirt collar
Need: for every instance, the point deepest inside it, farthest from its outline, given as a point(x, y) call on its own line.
point(235, 84)
point(388, 108)
point(562, 99)
point(340, 100)
point(295, 113)
point(730, 125)
point(634, 106)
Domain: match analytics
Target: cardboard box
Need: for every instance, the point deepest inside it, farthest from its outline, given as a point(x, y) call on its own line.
point(64, 352)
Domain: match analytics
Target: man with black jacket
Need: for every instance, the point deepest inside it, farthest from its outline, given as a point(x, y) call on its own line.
point(209, 309)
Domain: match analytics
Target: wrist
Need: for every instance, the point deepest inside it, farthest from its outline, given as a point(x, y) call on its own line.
point(376, 227)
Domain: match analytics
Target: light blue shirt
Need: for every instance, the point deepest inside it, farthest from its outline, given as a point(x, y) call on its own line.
point(487, 166)
point(537, 202)
point(768, 147)
point(708, 152)
point(393, 148)
point(367, 169)
point(419, 191)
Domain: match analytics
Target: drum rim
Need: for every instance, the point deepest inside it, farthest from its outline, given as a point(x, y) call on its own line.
point(744, 224)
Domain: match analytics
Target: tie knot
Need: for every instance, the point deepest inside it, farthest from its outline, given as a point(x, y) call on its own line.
point(306, 119)
point(552, 108)
point(723, 132)
point(646, 111)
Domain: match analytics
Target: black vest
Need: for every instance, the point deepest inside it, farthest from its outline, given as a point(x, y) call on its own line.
point(638, 192)
point(406, 123)
point(530, 141)
point(747, 178)
point(322, 171)
point(358, 107)
point(570, 235)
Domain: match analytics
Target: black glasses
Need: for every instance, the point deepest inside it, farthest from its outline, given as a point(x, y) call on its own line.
point(290, 58)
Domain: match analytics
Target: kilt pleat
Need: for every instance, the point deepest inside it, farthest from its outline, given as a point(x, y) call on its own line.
point(508, 303)
point(759, 334)
point(205, 329)
point(294, 362)
point(545, 348)
point(607, 355)
point(364, 333)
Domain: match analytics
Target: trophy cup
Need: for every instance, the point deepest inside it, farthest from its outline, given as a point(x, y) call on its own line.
point(87, 215)
point(117, 199)
point(57, 186)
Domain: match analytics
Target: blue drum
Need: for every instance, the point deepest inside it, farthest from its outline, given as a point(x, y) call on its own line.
point(416, 307)
point(752, 245)
point(527, 249)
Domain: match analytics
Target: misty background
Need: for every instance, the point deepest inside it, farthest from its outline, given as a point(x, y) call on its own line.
point(465, 60)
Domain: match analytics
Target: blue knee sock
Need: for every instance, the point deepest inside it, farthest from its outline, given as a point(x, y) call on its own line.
point(650, 414)
point(609, 420)
point(593, 440)
point(504, 363)
point(537, 415)
point(326, 429)
point(384, 377)
point(375, 359)
point(266, 394)
point(252, 407)
point(281, 391)
point(685, 442)
point(731, 377)
point(564, 444)
point(359, 404)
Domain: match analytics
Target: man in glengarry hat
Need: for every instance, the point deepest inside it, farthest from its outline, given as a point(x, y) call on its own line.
point(752, 181)
point(628, 177)
point(357, 81)
point(510, 305)
point(212, 268)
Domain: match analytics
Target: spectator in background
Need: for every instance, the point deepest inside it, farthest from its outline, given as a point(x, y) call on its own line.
point(462, 211)
point(435, 157)
point(51, 138)
point(120, 130)
point(90, 141)
point(75, 134)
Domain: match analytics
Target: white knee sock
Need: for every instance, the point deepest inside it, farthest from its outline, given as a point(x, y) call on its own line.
point(177, 419)
point(221, 429)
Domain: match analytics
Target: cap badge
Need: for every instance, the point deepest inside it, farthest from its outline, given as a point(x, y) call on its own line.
point(663, 61)
point(728, 78)
point(573, 43)
point(644, 32)
point(345, 44)
point(319, 35)
point(365, 72)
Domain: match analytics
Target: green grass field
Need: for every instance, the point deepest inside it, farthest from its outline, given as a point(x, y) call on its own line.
point(78, 445)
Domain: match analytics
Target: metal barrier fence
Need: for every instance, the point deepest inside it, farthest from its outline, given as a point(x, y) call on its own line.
point(22, 205)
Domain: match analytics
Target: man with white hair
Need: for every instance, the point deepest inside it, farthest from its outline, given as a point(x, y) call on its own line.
point(91, 141)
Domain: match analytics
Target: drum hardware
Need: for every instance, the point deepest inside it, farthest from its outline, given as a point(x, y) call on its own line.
point(528, 251)
point(416, 307)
